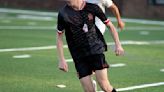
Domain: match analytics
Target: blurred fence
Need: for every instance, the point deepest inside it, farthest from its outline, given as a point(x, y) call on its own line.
point(32, 4)
point(128, 8)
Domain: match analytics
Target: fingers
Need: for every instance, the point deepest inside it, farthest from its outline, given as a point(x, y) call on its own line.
point(119, 52)
point(63, 66)
point(63, 69)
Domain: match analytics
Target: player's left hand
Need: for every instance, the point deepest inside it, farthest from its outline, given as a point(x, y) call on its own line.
point(63, 65)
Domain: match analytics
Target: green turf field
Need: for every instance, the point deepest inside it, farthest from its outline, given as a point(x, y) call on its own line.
point(144, 57)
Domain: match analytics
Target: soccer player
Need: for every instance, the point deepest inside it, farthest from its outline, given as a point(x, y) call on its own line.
point(111, 6)
point(86, 43)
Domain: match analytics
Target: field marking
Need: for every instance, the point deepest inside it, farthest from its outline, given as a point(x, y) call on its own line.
point(139, 87)
point(118, 65)
point(132, 28)
point(28, 27)
point(69, 60)
point(65, 46)
point(7, 10)
point(140, 21)
point(61, 86)
point(54, 14)
point(162, 70)
point(144, 33)
point(22, 56)
point(45, 18)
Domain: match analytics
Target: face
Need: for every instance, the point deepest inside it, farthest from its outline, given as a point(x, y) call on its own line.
point(73, 3)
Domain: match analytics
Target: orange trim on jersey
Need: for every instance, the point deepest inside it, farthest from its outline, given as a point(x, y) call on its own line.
point(59, 32)
point(107, 21)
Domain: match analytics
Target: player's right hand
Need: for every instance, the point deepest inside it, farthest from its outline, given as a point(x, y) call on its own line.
point(121, 25)
point(63, 66)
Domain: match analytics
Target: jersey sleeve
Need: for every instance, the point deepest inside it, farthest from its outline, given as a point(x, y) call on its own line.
point(60, 24)
point(99, 13)
point(107, 3)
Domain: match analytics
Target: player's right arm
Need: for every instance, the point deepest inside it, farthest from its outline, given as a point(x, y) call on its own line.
point(59, 39)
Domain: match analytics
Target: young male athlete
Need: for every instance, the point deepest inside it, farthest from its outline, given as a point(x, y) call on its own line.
point(111, 6)
point(85, 42)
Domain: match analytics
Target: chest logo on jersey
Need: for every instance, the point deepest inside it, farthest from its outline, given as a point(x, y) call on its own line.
point(85, 28)
point(90, 16)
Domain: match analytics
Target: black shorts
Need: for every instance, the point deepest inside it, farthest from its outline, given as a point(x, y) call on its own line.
point(87, 65)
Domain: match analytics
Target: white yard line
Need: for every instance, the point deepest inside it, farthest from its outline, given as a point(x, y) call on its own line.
point(117, 65)
point(69, 60)
point(137, 28)
point(139, 86)
point(7, 10)
point(28, 27)
point(65, 46)
point(34, 17)
point(140, 21)
point(144, 32)
point(28, 49)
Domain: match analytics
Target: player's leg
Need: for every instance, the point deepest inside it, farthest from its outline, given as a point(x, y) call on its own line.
point(100, 66)
point(102, 79)
point(94, 84)
point(87, 84)
point(84, 73)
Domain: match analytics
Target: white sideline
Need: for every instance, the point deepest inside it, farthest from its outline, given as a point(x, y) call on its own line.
point(139, 86)
point(65, 46)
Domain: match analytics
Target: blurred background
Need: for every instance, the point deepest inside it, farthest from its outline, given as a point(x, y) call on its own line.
point(128, 8)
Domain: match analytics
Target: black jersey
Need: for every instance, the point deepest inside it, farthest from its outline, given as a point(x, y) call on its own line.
point(83, 37)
